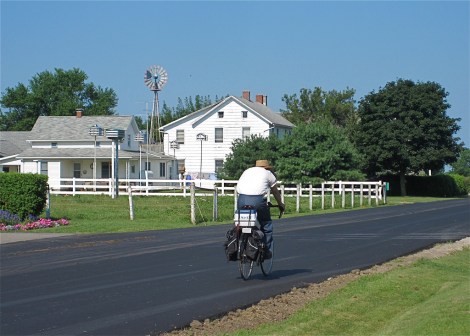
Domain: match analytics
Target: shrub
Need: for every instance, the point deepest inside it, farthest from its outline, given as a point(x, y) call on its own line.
point(444, 185)
point(23, 194)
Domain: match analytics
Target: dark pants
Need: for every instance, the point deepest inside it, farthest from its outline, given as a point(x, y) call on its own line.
point(264, 215)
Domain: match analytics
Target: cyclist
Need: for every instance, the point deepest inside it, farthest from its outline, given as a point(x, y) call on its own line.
point(252, 189)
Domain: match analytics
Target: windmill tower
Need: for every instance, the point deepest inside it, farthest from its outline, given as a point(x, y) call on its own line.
point(155, 78)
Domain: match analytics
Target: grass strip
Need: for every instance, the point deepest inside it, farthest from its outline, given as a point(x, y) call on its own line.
point(429, 297)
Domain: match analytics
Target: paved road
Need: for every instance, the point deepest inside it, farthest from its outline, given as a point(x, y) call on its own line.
point(138, 283)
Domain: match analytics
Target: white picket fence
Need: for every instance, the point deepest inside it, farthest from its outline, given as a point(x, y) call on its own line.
point(370, 191)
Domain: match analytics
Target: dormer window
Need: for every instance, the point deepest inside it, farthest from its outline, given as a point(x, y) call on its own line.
point(53, 144)
point(244, 114)
point(221, 114)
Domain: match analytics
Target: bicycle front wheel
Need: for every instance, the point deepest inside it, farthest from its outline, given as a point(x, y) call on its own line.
point(267, 264)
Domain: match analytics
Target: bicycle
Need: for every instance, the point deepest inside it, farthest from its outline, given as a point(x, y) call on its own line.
point(251, 249)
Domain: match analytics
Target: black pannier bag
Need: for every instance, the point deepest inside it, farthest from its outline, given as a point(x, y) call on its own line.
point(231, 245)
point(253, 246)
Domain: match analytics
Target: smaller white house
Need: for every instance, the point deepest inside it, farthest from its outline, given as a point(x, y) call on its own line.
point(63, 147)
point(201, 140)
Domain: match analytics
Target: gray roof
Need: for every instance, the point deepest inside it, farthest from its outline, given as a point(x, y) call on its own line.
point(12, 143)
point(72, 128)
point(274, 117)
point(82, 153)
point(262, 110)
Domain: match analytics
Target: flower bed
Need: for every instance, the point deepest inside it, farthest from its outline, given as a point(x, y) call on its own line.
point(41, 223)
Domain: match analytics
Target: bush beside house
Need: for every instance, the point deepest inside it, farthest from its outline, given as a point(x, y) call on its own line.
point(23, 194)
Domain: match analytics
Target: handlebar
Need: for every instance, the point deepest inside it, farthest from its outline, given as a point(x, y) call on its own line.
point(276, 206)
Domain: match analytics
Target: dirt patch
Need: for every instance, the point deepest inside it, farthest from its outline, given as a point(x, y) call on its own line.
point(282, 306)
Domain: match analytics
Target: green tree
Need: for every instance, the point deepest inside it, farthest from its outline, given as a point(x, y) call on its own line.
point(56, 93)
point(462, 165)
point(404, 129)
point(337, 107)
point(245, 152)
point(318, 151)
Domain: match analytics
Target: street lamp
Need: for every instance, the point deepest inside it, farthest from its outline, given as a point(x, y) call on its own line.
point(116, 135)
point(95, 131)
point(201, 137)
point(139, 137)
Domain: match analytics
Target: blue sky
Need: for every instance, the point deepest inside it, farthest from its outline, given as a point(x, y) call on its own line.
point(217, 48)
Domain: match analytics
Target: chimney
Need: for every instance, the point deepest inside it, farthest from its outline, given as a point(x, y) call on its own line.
point(262, 99)
point(79, 112)
point(246, 94)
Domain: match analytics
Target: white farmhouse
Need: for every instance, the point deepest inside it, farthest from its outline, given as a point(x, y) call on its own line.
point(62, 147)
point(202, 140)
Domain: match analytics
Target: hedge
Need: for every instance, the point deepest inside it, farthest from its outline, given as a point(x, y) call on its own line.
point(442, 185)
point(23, 194)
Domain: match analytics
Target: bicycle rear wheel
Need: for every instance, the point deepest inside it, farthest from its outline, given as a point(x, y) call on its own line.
point(245, 264)
point(267, 265)
point(246, 267)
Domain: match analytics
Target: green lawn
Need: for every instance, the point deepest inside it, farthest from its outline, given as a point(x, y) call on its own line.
point(102, 214)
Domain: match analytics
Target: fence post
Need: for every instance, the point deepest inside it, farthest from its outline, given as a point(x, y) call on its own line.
point(299, 190)
point(192, 190)
point(370, 194)
point(282, 192)
point(215, 208)
point(131, 204)
point(310, 196)
point(235, 198)
point(332, 195)
point(376, 194)
point(343, 194)
point(352, 195)
point(323, 195)
point(361, 195)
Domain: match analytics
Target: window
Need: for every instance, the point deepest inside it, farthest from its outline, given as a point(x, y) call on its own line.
point(148, 165)
point(180, 136)
point(43, 168)
point(76, 170)
point(221, 114)
point(162, 169)
point(53, 144)
point(128, 140)
point(245, 132)
point(219, 164)
point(105, 170)
point(244, 114)
point(133, 169)
point(219, 135)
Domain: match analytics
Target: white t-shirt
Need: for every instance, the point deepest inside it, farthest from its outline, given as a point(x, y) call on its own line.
point(256, 181)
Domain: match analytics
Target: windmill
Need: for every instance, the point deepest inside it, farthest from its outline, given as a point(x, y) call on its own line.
point(155, 78)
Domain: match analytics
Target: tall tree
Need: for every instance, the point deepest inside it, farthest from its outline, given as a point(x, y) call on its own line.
point(404, 129)
point(245, 152)
point(338, 107)
point(56, 93)
point(318, 151)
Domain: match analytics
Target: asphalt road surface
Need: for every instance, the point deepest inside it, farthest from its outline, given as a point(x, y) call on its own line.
point(138, 283)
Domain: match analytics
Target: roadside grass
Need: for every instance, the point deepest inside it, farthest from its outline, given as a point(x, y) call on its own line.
point(429, 297)
point(102, 214)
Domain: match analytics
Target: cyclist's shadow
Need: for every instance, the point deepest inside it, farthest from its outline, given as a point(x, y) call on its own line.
point(277, 274)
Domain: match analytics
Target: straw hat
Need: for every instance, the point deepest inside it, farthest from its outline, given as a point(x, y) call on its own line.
point(264, 164)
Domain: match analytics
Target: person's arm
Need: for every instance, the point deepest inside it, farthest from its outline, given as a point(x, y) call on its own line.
point(277, 195)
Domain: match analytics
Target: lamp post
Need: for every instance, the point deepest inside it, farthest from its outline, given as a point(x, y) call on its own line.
point(116, 135)
point(95, 131)
point(174, 145)
point(201, 137)
point(140, 139)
